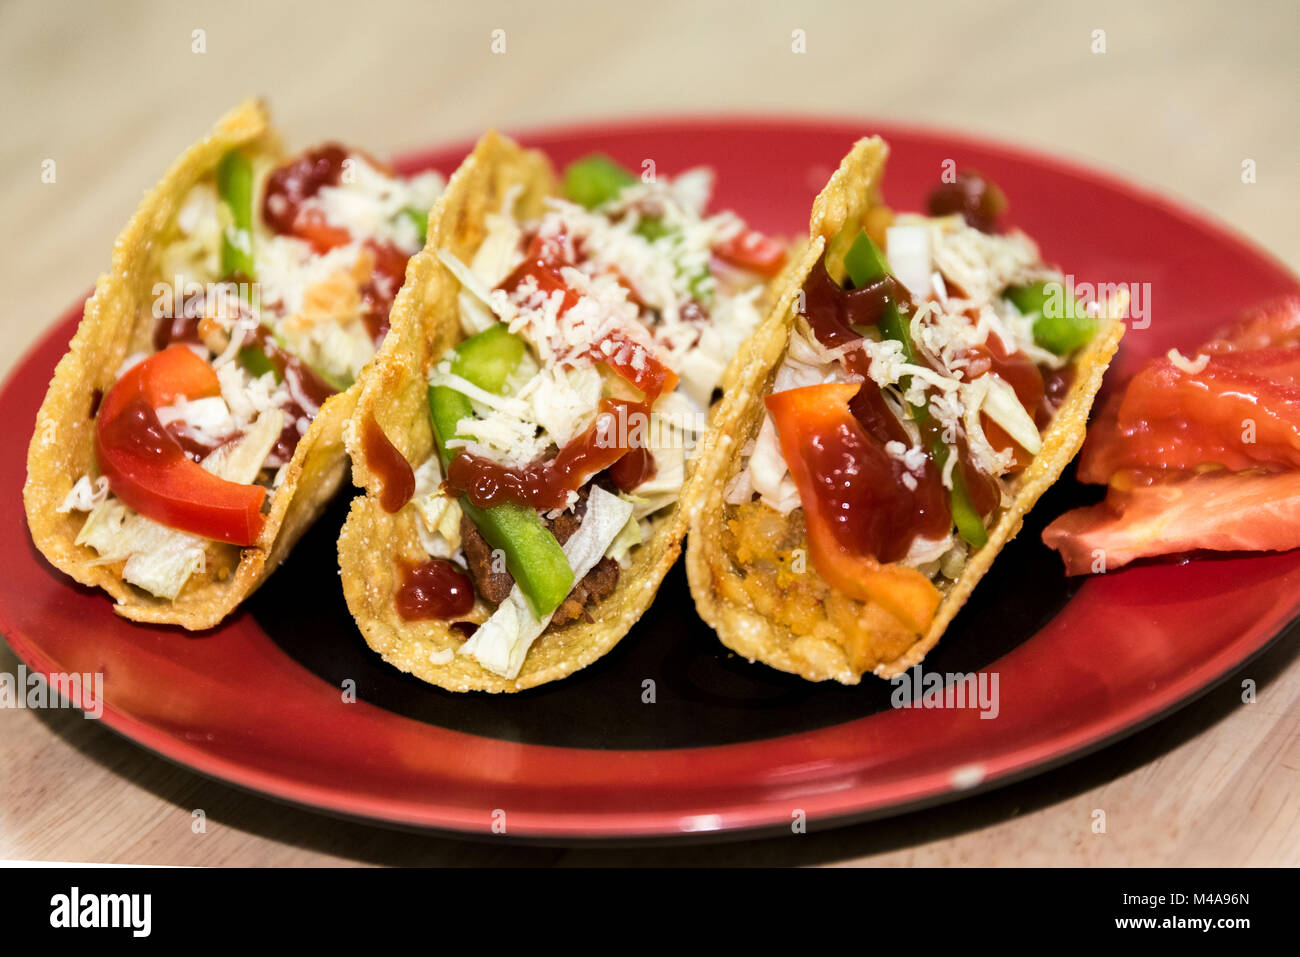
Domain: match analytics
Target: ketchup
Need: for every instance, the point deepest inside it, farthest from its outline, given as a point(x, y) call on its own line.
point(434, 589)
point(547, 484)
point(871, 497)
point(292, 184)
point(307, 392)
point(138, 430)
point(396, 476)
point(635, 468)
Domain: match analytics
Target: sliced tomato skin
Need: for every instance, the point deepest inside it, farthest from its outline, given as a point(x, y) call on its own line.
point(752, 250)
point(1218, 511)
point(823, 445)
point(148, 470)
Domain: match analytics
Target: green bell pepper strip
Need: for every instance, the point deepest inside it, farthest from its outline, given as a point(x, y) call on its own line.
point(1059, 331)
point(254, 359)
point(533, 556)
point(595, 180)
point(865, 264)
point(235, 191)
point(419, 220)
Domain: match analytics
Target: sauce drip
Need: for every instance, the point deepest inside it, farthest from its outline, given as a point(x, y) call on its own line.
point(396, 477)
point(138, 431)
point(434, 589)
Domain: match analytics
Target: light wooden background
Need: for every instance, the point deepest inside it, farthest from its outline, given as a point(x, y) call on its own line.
point(1184, 93)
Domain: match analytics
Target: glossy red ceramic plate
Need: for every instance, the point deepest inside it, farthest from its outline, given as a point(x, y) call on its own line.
point(724, 745)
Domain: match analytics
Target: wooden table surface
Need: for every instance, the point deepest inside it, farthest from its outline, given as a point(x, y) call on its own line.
point(1183, 94)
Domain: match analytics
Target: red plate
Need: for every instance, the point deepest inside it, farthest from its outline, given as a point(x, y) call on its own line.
point(726, 745)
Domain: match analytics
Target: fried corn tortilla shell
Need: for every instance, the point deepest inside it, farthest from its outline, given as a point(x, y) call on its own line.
point(119, 321)
point(822, 648)
point(374, 543)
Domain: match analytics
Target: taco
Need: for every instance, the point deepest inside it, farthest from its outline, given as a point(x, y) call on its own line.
point(194, 429)
point(525, 436)
point(920, 384)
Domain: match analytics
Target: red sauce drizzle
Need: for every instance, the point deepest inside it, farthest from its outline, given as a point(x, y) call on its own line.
point(396, 476)
point(546, 484)
point(434, 589)
point(635, 468)
point(136, 429)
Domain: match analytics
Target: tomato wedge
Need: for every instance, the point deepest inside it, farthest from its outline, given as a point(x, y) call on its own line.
point(1221, 511)
point(752, 250)
point(149, 471)
point(837, 469)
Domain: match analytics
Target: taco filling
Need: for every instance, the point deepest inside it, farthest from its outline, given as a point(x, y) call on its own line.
point(275, 287)
point(928, 358)
point(595, 341)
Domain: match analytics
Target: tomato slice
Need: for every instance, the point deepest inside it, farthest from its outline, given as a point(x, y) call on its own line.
point(752, 250)
point(149, 471)
point(1220, 511)
point(842, 476)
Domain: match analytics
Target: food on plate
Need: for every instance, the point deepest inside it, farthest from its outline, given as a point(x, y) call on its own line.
point(193, 430)
point(1196, 452)
point(921, 382)
point(529, 434)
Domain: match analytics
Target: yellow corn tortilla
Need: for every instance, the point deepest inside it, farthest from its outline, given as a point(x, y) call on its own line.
point(118, 321)
point(425, 324)
point(716, 578)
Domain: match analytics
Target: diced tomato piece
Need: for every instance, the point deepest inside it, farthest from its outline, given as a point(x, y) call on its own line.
point(635, 363)
point(752, 250)
point(830, 458)
point(312, 226)
point(1219, 511)
point(543, 262)
point(149, 471)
